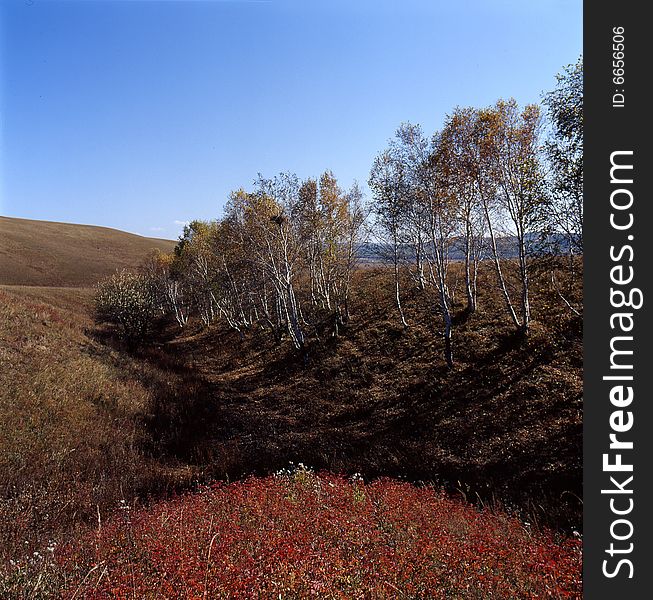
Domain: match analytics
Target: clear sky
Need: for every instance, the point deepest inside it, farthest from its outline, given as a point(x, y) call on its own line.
point(141, 115)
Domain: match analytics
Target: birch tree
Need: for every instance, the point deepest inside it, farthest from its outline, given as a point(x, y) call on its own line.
point(269, 231)
point(431, 216)
point(197, 261)
point(389, 185)
point(564, 150)
point(458, 157)
point(168, 285)
point(519, 186)
point(440, 205)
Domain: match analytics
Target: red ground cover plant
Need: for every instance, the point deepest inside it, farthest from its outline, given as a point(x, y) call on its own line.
point(298, 535)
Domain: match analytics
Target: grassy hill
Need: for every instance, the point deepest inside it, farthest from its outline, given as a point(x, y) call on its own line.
point(44, 253)
point(91, 430)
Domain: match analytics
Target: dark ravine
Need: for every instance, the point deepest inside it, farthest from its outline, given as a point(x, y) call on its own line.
point(503, 426)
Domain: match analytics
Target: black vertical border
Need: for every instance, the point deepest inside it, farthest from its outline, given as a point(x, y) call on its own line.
point(608, 129)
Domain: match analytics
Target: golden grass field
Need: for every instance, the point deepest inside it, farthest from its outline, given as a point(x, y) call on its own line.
point(43, 253)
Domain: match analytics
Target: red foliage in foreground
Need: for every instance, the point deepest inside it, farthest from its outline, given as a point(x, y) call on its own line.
point(305, 535)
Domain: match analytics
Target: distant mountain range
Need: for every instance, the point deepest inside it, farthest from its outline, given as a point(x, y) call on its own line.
point(507, 247)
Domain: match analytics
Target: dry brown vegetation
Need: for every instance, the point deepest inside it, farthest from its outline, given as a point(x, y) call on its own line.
point(71, 410)
point(87, 424)
point(62, 254)
point(504, 423)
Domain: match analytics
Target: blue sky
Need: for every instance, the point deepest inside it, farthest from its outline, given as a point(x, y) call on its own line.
point(140, 115)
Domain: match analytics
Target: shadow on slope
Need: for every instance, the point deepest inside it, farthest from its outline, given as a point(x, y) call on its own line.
point(504, 424)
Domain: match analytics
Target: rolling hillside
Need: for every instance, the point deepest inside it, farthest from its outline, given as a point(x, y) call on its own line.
point(62, 254)
point(108, 449)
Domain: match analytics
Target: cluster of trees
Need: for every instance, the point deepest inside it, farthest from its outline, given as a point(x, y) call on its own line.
point(479, 172)
point(486, 177)
point(282, 256)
